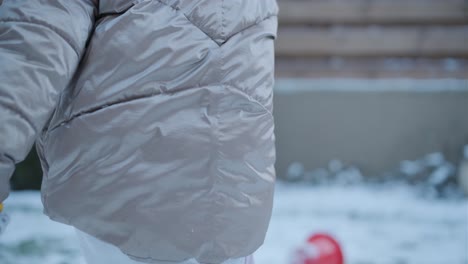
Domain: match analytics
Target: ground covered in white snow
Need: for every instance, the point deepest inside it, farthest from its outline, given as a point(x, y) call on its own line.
point(384, 224)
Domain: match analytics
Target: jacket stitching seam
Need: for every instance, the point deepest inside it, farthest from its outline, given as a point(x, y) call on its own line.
point(250, 97)
point(216, 127)
point(250, 26)
point(103, 106)
point(206, 34)
point(50, 27)
point(223, 22)
point(177, 9)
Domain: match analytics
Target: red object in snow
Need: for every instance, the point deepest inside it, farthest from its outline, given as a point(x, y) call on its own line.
point(319, 249)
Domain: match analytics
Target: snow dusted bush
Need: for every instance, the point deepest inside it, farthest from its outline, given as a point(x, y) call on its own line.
point(431, 175)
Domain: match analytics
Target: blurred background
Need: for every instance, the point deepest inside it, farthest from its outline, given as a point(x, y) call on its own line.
point(371, 82)
point(371, 112)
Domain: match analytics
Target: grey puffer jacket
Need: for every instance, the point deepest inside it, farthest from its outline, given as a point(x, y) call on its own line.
point(152, 119)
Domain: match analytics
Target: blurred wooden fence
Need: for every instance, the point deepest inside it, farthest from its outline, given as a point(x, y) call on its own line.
point(373, 38)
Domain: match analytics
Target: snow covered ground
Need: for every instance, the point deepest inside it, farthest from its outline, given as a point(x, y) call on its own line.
point(375, 224)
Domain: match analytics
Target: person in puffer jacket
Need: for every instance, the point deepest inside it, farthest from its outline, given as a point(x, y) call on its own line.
point(152, 120)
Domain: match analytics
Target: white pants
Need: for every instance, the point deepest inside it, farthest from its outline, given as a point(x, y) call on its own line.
point(96, 251)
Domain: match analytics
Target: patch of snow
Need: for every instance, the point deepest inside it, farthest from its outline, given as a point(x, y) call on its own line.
point(411, 168)
point(385, 223)
point(32, 238)
point(295, 171)
point(4, 221)
point(335, 166)
point(431, 175)
point(441, 174)
point(434, 159)
point(350, 175)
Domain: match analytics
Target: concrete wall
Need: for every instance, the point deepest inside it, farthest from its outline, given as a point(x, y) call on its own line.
point(373, 124)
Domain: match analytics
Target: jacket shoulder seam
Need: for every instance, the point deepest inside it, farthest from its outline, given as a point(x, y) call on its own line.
point(177, 9)
point(223, 34)
point(250, 26)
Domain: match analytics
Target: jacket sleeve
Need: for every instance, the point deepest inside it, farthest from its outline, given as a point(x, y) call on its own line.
point(41, 43)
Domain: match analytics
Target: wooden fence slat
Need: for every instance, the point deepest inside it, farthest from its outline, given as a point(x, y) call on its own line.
point(372, 67)
point(373, 41)
point(373, 11)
